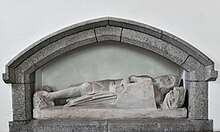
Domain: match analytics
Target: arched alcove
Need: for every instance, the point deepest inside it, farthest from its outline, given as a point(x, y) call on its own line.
point(103, 60)
point(20, 68)
point(199, 69)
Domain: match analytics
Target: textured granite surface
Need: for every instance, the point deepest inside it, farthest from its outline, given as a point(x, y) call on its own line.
point(114, 125)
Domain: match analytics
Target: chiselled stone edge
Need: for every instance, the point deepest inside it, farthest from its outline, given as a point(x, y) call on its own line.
point(22, 101)
point(197, 72)
point(182, 48)
point(81, 124)
point(163, 35)
point(197, 99)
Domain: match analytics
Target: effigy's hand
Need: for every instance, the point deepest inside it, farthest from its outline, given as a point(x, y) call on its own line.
point(70, 103)
point(79, 100)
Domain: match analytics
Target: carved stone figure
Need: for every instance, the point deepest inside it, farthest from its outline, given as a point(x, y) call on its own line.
point(39, 100)
point(130, 92)
point(174, 98)
point(163, 84)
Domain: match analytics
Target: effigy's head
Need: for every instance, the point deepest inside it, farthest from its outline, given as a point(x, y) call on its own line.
point(166, 83)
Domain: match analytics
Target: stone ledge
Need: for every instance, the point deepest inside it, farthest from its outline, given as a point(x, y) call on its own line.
point(88, 125)
point(107, 113)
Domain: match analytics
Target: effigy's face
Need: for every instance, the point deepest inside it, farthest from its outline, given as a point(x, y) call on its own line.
point(168, 81)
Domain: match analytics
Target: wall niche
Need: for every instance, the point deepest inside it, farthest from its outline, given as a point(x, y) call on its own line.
point(110, 74)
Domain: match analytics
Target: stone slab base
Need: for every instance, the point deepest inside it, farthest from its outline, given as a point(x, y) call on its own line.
point(111, 125)
point(107, 113)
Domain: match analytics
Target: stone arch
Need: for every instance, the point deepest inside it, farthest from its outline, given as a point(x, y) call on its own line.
point(20, 71)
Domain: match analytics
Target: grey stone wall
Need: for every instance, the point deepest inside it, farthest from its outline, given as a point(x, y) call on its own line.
point(114, 125)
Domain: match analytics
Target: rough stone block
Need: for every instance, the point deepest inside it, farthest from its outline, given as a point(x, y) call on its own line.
point(25, 68)
point(159, 124)
point(133, 37)
point(50, 52)
point(60, 125)
point(186, 47)
point(201, 73)
point(62, 46)
point(23, 55)
point(143, 40)
point(6, 78)
point(195, 76)
point(19, 126)
point(176, 54)
point(108, 33)
point(82, 125)
point(191, 64)
point(115, 125)
point(107, 112)
point(198, 99)
point(73, 29)
point(9, 75)
point(22, 101)
point(153, 44)
point(211, 74)
point(135, 26)
point(156, 45)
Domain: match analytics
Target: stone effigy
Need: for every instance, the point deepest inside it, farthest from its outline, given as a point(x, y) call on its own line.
point(198, 71)
point(134, 92)
point(174, 98)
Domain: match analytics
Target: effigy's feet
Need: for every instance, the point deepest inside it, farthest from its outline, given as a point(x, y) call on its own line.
point(41, 100)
